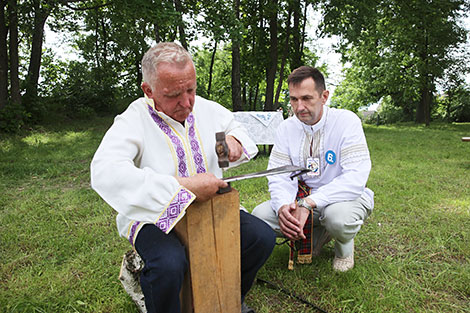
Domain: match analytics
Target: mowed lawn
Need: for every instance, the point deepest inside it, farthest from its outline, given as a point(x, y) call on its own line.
point(60, 252)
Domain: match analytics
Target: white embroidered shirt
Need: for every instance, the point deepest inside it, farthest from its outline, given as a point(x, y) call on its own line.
point(338, 143)
point(135, 166)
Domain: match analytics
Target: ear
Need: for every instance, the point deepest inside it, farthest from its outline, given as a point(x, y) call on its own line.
point(147, 89)
point(325, 94)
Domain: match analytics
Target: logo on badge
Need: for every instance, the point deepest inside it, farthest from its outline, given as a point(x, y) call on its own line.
point(330, 157)
point(313, 164)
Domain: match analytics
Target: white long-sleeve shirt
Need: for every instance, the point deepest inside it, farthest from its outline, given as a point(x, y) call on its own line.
point(135, 166)
point(338, 142)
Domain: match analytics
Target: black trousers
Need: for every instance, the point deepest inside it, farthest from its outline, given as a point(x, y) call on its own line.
point(166, 262)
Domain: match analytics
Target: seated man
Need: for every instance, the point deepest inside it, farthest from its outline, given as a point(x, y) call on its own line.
point(332, 144)
point(156, 159)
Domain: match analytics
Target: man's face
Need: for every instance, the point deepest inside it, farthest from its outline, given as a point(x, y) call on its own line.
point(307, 102)
point(174, 90)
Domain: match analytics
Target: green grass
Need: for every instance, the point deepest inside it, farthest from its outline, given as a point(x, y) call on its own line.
point(60, 251)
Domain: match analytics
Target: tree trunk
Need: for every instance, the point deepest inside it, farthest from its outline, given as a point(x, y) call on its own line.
point(104, 40)
point(427, 107)
point(179, 9)
point(304, 24)
point(283, 61)
point(255, 100)
point(272, 64)
point(14, 59)
point(236, 87)
point(244, 96)
point(139, 72)
point(97, 40)
point(423, 112)
point(156, 30)
point(421, 109)
point(250, 97)
point(296, 32)
point(211, 69)
point(40, 17)
point(3, 57)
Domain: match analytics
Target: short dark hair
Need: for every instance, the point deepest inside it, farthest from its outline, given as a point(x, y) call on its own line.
point(299, 74)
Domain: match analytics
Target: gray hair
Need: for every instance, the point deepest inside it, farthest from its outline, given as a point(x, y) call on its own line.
point(163, 52)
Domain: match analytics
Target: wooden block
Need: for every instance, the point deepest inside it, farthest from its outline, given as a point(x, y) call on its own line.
point(226, 212)
point(186, 293)
point(211, 233)
point(465, 138)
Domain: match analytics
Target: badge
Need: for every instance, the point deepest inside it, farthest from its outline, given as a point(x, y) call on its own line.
point(330, 157)
point(313, 164)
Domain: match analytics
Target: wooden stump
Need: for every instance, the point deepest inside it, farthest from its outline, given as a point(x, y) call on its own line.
point(211, 233)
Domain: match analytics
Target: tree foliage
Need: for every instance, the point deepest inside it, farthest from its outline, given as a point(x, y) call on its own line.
point(396, 48)
point(402, 50)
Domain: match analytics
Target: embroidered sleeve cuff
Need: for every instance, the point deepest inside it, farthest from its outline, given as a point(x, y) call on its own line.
point(175, 210)
point(134, 228)
point(245, 153)
point(249, 147)
point(245, 157)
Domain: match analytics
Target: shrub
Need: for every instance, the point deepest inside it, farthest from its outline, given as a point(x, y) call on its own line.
point(13, 117)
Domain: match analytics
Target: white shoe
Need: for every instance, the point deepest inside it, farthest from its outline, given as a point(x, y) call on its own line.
point(343, 264)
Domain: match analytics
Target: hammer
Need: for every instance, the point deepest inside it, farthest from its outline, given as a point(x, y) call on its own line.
point(221, 149)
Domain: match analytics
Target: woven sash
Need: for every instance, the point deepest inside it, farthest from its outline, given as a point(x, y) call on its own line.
point(303, 247)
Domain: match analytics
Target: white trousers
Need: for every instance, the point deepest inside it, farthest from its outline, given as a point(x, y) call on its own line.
point(342, 220)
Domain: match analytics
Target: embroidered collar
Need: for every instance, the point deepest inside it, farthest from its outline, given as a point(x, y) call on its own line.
point(187, 132)
point(310, 129)
point(149, 102)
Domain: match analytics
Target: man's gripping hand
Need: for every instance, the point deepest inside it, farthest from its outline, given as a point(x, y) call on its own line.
point(203, 185)
point(235, 148)
point(292, 219)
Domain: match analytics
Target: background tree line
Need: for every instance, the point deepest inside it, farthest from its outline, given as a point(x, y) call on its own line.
point(411, 55)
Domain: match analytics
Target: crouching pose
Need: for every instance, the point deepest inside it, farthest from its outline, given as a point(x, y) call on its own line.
point(332, 200)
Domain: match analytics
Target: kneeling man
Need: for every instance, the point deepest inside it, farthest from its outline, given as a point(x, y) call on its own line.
point(331, 142)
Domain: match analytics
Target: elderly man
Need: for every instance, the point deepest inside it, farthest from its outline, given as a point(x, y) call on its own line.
point(332, 144)
point(157, 158)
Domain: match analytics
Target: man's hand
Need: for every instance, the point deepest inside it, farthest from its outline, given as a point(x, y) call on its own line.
point(301, 214)
point(235, 148)
point(203, 185)
point(292, 219)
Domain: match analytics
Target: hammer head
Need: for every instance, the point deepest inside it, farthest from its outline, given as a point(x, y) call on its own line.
point(221, 149)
